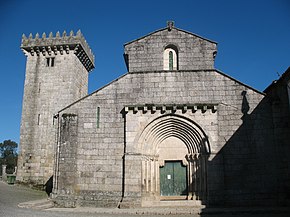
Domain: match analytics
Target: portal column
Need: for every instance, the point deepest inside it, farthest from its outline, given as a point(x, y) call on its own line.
point(150, 178)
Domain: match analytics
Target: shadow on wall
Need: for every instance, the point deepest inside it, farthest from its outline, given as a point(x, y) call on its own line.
point(48, 186)
point(250, 164)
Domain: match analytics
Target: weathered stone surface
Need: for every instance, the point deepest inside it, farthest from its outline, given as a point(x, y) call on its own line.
point(111, 144)
point(146, 53)
point(53, 80)
point(134, 110)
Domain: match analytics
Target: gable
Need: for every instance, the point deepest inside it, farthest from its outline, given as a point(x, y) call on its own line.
point(147, 53)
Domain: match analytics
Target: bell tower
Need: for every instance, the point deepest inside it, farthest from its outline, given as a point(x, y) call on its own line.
point(57, 70)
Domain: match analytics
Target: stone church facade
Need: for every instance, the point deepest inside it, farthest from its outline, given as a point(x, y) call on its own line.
point(173, 128)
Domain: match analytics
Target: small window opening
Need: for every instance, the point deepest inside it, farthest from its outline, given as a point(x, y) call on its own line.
point(170, 60)
point(38, 119)
point(98, 117)
point(50, 62)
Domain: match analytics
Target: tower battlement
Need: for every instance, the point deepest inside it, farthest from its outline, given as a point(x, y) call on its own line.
point(59, 44)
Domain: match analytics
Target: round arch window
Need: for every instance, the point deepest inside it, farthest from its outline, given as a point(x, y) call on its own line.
point(170, 59)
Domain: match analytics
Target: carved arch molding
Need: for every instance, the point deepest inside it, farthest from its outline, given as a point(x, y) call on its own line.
point(173, 137)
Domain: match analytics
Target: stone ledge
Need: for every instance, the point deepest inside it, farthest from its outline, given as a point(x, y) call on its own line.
point(171, 107)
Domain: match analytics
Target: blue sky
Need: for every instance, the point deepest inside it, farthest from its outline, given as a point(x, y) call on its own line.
point(253, 38)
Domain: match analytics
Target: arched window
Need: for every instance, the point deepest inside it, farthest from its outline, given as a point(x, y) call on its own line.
point(170, 59)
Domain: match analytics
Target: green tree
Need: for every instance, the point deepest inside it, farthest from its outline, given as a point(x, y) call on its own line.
point(8, 155)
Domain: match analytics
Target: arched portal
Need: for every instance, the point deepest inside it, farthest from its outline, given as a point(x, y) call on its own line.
point(174, 146)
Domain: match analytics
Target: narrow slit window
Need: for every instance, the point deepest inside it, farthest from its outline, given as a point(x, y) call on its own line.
point(38, 119)
point(170, 60)
point(98, 117)
point(50, 62)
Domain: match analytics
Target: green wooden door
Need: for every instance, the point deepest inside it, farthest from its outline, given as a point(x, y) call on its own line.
point(173, 179)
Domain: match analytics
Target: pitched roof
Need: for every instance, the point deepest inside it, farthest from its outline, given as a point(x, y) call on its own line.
point(160, 30)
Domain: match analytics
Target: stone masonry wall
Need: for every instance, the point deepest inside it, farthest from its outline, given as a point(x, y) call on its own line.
point(146, 54)
point(66, 159)
point(278, 99)
point(101, 141)
point(47, 89)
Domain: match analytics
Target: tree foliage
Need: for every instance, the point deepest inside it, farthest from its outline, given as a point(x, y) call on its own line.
point(8, 155)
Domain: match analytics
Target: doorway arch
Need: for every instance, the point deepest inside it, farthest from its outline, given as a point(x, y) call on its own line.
point(174, 138)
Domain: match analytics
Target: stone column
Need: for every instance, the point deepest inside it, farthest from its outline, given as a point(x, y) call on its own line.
point(150, 180)
point(190, 180)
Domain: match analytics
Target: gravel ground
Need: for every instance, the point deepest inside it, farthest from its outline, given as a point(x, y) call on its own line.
point(12, 195)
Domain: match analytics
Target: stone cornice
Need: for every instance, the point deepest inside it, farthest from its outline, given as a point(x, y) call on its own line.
point(171, 107)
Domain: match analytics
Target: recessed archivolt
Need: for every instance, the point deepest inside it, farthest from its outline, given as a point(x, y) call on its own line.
point(177, 128)
point(173, 126)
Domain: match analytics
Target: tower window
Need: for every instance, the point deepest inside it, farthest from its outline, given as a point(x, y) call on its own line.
point(50, 62)
point(170, 58)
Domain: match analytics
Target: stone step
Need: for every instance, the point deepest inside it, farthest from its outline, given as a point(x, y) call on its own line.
point(37, 204)
point(173, 203)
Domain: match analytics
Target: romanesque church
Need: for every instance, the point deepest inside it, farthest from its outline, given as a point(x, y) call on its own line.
point(173, 130)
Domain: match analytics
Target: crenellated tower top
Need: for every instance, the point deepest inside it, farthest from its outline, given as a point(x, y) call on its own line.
point(60, 44)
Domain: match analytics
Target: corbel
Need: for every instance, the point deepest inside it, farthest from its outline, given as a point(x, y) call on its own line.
point(67, 49)
point(214, 108)
point(43, 51)
point(204, 108)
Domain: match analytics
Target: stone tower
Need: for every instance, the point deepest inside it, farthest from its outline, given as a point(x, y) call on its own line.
point(56, 75)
